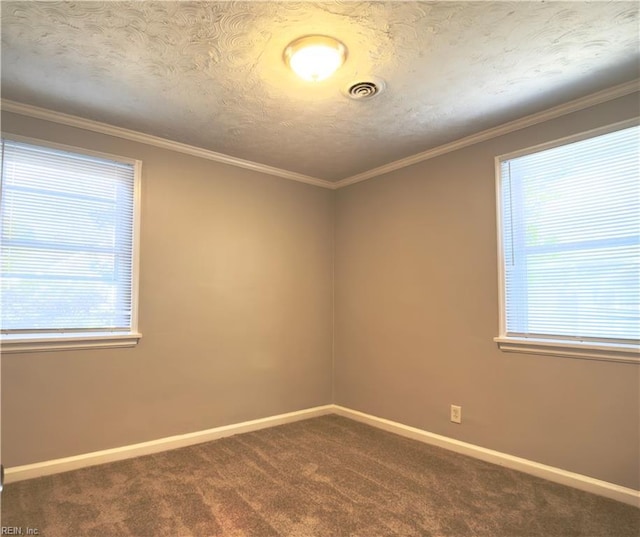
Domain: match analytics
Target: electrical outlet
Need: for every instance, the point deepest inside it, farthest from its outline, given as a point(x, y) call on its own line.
point(456, 414)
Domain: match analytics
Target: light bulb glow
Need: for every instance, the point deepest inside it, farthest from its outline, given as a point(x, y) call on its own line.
point(315, 58)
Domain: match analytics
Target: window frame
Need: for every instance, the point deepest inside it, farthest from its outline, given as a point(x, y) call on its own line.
point(36, 341)
point(565, 347)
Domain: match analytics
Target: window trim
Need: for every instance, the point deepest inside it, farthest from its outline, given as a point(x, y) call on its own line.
point(571, 348)
point(33, 341)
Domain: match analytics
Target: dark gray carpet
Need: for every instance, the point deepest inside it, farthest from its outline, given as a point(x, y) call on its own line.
point(322, 477)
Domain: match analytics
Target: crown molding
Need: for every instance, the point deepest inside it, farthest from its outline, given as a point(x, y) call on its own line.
point(527, 121)
point(127, 134)
point(506, 128)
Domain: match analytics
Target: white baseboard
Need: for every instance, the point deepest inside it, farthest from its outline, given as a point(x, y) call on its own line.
point(39, 469)
point(550, 473)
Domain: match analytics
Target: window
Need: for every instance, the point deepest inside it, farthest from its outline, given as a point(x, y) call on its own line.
point(569, 235)
point(68, 265)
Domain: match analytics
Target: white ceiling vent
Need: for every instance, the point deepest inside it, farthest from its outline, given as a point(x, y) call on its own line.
point(364, 89)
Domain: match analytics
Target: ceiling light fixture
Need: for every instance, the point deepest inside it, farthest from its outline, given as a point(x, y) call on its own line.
point(315, 57)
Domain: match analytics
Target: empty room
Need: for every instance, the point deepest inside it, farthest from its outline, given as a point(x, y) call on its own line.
point(329, 269)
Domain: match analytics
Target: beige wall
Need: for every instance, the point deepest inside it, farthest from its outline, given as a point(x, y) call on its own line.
point(416, 311)
point(235, 311)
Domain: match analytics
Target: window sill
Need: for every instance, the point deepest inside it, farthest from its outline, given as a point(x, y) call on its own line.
point(571, 349)
point(15, 343)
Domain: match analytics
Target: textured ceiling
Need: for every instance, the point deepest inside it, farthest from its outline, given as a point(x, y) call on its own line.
point(210, 74)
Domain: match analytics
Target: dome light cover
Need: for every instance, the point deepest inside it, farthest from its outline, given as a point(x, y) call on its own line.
point(315, 57)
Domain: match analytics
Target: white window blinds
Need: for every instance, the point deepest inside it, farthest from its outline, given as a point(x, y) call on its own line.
point(67, 241)
point(571, 240)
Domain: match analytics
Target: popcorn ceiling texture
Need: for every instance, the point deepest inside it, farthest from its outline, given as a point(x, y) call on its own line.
point(211, 74)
